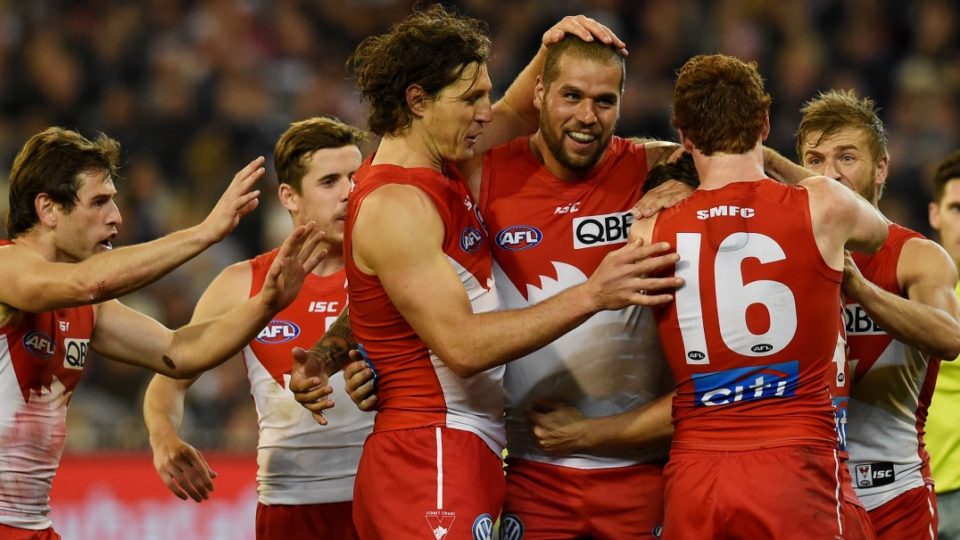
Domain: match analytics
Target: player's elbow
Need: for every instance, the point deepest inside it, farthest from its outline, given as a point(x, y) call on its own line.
point(951, 347)
point(461, 362)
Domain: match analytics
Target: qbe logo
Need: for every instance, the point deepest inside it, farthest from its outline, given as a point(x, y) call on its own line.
point(519, 237)
point(75, 355)
point(746, 384)
point(471, 239)
point(593, 231)
point(858, 322)
point(39, 344)
point(278, 331)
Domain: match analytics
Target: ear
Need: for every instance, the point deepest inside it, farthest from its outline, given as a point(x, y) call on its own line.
point(933, 214)
point(289, 198)
point(48, 211)
point(685, 142)
point(538, 93)
point(765, 132)
point(417, 99)
point(883, 168)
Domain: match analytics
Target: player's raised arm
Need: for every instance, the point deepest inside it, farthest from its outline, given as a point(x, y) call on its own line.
point(130, 337)
point(90, 270)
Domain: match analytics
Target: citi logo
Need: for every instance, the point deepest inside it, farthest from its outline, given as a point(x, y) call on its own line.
point(471, 239)
point(39, 344)
point(278, 331)
point(519, 237)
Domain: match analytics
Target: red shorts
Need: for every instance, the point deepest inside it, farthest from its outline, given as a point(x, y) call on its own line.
point(856, 521)
point(550, 501)
point(783, 493)
point(321, 521)
point(15, 533)
point(427, 483)
point(912, 514)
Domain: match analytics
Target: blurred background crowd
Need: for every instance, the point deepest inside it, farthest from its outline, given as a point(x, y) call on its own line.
point(194, 89)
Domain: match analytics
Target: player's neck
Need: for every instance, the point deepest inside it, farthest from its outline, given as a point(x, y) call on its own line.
point(332, 263)
point(407, 150)
point(718, 170)
point(41, 241)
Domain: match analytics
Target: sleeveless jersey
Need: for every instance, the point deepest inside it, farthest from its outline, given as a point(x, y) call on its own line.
point(751, 334)
point(415, 388)
point(300, 461)
point(42, 356)
point(892, 387)
point(549, 235)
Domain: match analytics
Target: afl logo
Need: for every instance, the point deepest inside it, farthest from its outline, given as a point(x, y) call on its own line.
point(519, 237)
point(762, 348)
point(471, 239)
point(278, 331)
point(696, 355)
point(39, 344)
point(483, 527)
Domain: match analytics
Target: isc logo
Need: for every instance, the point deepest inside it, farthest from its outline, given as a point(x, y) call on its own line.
point(471, 239)
point(858, 322)
point(323, 307)
point(278, 331)
point(519, 237)
point(875, 474)
point(746, 384)
point(39, 344)
point(593, 231)
point(75, 356)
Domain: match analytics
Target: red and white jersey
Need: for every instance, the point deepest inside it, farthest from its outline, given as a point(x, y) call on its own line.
point(839, 380)
point(42, 356)
point(415, 388)
point(300, 461)
point(892, 387)
point(751, 334)
point(550, 234)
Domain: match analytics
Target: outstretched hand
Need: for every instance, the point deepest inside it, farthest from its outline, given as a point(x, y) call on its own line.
point(586, 29)
point(298, 256)
point(238, 200)
point(183, 469)
point(310, 385)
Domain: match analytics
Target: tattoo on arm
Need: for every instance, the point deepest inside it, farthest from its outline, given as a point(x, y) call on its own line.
point(334, 347)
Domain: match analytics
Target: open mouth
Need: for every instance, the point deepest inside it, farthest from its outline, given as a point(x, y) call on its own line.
point(581, 137)
point(106, 242)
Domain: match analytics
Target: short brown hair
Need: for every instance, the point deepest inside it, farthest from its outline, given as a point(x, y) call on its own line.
point(50, 162)
point(834, 110)
point(682, 170)
point(431, 48)
point(305, 137)
point(719, 103)
point(572, 45)
point(949, 169)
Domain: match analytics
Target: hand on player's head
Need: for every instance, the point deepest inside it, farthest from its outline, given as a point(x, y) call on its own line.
point(586, 29)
